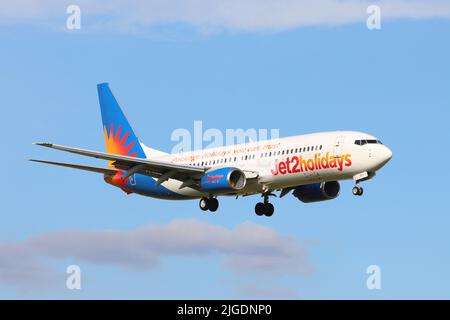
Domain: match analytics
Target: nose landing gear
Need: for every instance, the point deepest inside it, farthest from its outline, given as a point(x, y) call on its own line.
point(363, 176)
point(357, 190)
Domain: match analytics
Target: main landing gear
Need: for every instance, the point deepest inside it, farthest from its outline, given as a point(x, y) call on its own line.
point(265, 208)
point(211, 204)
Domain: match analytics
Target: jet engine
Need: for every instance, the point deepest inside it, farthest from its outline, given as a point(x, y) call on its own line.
point(226, 179)
point(317, 191)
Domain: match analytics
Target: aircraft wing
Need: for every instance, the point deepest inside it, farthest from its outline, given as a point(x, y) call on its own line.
point(162, 170)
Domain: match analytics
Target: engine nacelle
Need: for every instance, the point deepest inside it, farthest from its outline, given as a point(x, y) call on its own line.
point(317, 191)
point(223, 180)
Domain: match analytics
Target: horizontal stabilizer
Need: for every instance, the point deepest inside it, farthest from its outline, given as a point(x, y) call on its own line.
point(128, 161)
point(108, 171)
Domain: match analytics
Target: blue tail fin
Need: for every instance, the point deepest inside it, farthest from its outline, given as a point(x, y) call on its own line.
point(119, 136)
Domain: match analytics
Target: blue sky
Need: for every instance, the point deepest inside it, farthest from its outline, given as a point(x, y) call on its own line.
point(393, 83)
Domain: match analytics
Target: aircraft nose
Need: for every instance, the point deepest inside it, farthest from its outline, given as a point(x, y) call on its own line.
point(382, 156)
point(386, 154)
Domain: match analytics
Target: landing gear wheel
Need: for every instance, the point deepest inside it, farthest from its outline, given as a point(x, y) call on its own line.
point(264, 209)
point(357, 191)
point(260, 208)
point(203, 204)
point(269, 209)
point(361, 191)
point(213, 204)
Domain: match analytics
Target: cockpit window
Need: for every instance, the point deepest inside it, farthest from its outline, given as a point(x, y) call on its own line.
point(369, 141)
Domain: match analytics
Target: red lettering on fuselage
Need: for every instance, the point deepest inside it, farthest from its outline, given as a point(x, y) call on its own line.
point(297, 164)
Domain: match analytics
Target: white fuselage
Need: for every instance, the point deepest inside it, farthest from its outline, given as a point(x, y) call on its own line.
point(288, 162)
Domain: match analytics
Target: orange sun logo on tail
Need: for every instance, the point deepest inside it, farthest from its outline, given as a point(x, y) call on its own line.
point(116, 144)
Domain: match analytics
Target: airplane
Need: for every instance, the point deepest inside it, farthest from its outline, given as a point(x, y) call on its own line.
point(310, 165)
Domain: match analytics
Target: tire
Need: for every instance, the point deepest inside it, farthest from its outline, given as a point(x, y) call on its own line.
point(259, 209)
point(269, 210)
point(203, 204)
point(361, 191)
point(213, 204)
point(355, 191)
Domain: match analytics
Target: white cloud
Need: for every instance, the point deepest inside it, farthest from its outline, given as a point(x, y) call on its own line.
point(204, 15)
point(247, 247)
